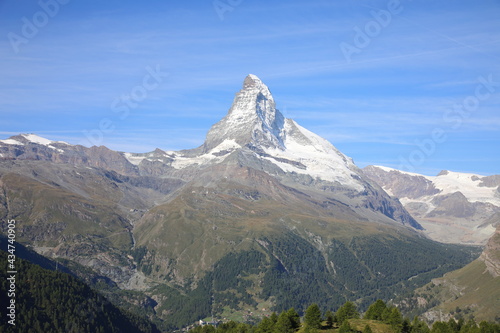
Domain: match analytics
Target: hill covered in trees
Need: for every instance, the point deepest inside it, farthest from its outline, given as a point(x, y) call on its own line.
point(53, 301)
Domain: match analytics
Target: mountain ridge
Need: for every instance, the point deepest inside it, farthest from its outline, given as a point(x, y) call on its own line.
point(452, 206)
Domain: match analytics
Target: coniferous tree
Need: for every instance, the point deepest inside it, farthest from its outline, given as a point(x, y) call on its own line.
point(294, 317)
point(386, 314)
point(274, 318)
point(346, 311)
point(453, 325)
point(265, 326)
point(419, 326)
point(367, 329)
point(441, 327)
point(406, 326)
point(376, 310)
point(460, 323)
point(395, 319)
point(488, 327)
point(329, 318)
point(312, 317)
point(284, 324)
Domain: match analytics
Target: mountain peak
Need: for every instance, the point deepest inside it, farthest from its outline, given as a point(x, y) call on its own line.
point(22, 139)
point(254, 125)
point(252, 82)
point(252, 119)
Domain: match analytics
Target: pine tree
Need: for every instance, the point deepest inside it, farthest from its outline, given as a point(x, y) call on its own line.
point(274, 318)
point(375, 310)
point(312, 316)
point(395, 319)
point(406, 326)
point(441, 327)
point(453, 325)
point(265, 326)
point(329, 318)
point(284, 324)
point(346, 311)
point(294, 317)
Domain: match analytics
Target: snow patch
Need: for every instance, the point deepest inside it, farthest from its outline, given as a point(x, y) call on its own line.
point(212, 156)
point(387, 169)
point(37, 139)
point(464, 182)
point(12, 142)
point(134, 159)
point(321, 159)
point(34, 139)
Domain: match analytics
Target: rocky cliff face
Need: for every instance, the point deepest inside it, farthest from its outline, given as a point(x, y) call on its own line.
point(491, 254)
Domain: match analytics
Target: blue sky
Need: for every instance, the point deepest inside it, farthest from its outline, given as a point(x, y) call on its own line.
point(405, 84)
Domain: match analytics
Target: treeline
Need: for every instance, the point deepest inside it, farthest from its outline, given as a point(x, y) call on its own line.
point(51, 301)
point(378, 318)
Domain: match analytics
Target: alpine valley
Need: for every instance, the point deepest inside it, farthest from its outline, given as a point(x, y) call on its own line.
point(264, 216)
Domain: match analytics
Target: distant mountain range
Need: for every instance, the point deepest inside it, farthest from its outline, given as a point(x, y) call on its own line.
point(453, 207)
point(265, 215)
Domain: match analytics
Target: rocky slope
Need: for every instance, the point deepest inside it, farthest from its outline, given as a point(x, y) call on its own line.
point(452, 207)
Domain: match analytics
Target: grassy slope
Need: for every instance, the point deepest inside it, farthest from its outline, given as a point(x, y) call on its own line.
point(47, 214)
point(472, 289)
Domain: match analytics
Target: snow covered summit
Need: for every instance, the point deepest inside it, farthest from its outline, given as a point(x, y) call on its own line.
point(252, 119)
point(255, 125)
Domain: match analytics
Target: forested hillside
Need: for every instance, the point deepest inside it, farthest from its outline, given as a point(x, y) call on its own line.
point(52, 301)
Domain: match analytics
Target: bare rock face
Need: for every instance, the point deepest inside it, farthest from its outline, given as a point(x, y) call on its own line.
point(490, 181)
point(491, 254)
point(455, 204)
point(401, 185)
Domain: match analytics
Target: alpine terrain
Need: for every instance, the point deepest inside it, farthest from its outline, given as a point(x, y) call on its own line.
point(452, 207)
point(472, 291)
point(263, 216)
